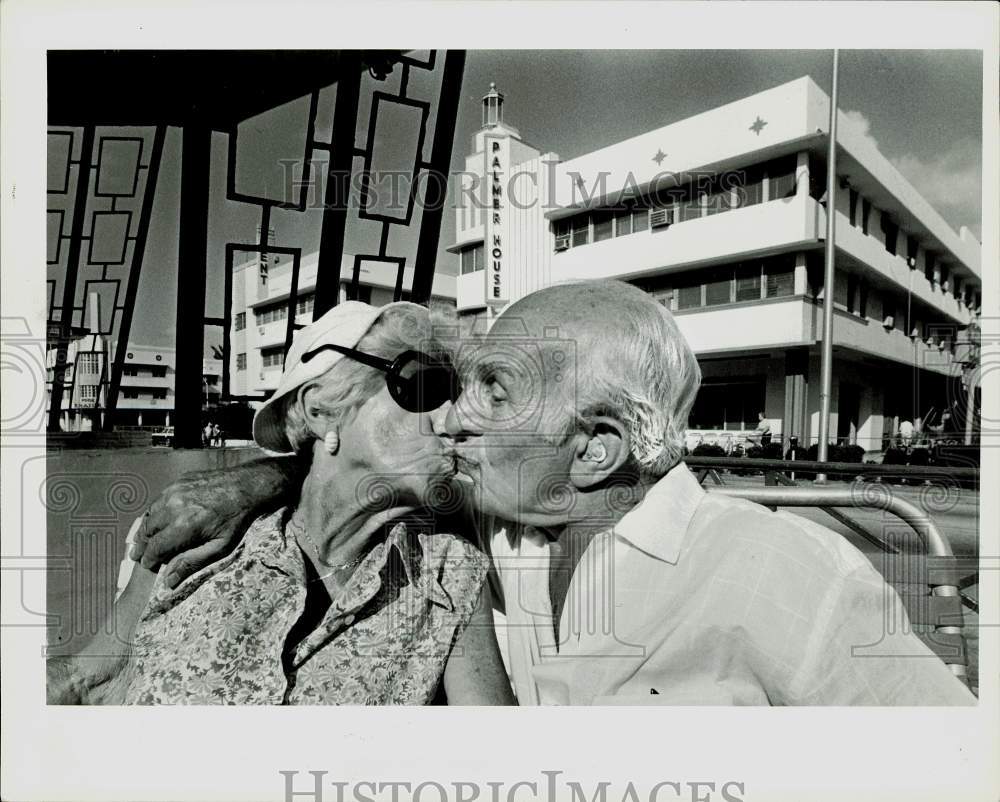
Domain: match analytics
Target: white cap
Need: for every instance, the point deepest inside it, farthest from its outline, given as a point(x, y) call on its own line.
point(345, 325)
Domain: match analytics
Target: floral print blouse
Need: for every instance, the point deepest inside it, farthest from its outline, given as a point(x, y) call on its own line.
point(220, 636)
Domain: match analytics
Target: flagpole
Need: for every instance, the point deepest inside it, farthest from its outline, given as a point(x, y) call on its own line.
point(826, 354)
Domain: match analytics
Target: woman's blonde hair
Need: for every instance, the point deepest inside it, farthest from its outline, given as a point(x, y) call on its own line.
point(346, 386)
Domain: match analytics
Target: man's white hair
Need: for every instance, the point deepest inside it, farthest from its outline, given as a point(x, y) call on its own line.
point(646, 375)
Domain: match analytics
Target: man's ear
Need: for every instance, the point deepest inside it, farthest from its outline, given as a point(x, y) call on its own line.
point(599, 452)
point(316, 418)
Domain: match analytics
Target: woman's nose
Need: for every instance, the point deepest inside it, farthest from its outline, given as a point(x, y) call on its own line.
point(439, 419)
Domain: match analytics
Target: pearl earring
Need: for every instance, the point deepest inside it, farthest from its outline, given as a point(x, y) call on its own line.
point(332, 441)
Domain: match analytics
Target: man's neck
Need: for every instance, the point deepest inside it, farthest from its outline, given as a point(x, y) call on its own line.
point(600, 510)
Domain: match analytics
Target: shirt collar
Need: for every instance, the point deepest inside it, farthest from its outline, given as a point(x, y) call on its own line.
point(658, 524)
point(279, 549)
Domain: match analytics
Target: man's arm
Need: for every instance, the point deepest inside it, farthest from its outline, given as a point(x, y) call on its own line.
point(97, 673)
point(202, 516)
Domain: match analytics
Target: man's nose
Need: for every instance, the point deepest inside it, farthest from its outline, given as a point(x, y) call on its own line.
point(457, 423)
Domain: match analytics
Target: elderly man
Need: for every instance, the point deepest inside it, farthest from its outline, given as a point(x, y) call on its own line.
point(621, 580)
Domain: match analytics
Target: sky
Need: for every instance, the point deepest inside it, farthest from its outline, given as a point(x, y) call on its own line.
point(923, 109)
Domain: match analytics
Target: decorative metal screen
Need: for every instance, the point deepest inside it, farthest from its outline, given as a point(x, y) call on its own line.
point(380, 116)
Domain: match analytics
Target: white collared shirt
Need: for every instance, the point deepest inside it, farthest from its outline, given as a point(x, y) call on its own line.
point(700, 599)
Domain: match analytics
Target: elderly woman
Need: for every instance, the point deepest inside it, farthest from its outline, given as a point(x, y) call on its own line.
point(346, 596)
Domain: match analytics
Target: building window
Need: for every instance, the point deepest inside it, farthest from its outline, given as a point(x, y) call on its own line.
point(891, 233)
point(360, 292)
point(945, 276)
point(911, 250)
point(271, 314)
point(781, 185)
point(87, 363)
point(472, 259)
point(241, 321)
point(664, 297)
point(718, 200)
point(88, 393)
point(304, 305)
point(603, 226)
point(841, 291)
point(581, 230)
point(866, 211)
point(748, 282)
point(640, 219)
point(688, 210)
point(689, 295)
point(623, 223)
point(272, 357)
point(780, 276)
point(731, 405)
point(854, 207)
point(718, 287)
point(750, 190)
point(929, 266)
point(817, 177)
point(241, 361)
point(852, 292)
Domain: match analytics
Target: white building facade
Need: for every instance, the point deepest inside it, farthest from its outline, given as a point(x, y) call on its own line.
point(722, 218)
point(259, 314)
point(146, 395)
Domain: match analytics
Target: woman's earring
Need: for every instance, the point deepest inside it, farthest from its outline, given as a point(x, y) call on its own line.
point(332, 441)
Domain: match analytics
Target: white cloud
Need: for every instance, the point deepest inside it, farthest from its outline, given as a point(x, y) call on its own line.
point(951, 180)
point(860, 125)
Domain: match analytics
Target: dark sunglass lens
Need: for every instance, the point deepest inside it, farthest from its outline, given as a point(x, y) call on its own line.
point(428, 388)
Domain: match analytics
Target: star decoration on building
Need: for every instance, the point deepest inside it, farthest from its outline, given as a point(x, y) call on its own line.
point(758, 126)
point(659, 157)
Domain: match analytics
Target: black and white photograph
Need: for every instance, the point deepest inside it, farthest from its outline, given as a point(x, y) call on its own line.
point(577, 376)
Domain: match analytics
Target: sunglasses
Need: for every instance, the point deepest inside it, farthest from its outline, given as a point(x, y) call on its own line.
point(418, 382)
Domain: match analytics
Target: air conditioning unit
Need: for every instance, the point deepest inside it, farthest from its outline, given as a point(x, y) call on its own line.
point(660, 218)
point(562, 242)
point(888, 321)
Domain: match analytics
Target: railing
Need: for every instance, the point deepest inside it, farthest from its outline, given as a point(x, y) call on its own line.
point(934, 541)
point(782, 472)
point(774, 467)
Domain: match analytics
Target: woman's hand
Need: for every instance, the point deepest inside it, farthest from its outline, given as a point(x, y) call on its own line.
point(202, 516)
